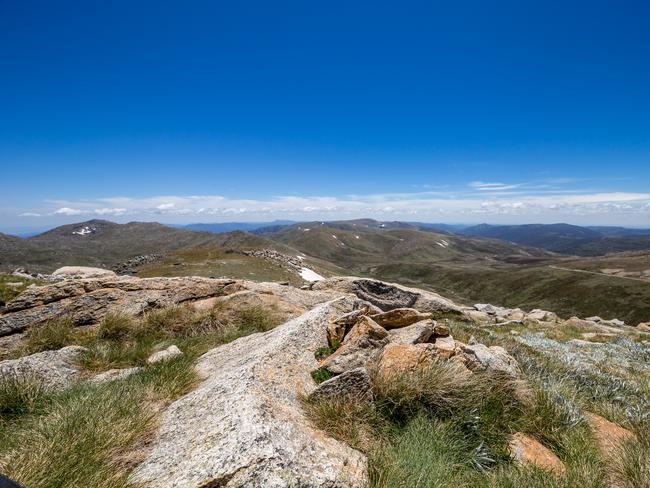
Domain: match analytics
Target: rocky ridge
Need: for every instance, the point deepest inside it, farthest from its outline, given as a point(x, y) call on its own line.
point(243, 425)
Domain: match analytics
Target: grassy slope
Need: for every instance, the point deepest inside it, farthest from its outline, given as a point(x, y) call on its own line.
point(92, 435)
point(11, 286)
point(564, 292)
point(476, 270)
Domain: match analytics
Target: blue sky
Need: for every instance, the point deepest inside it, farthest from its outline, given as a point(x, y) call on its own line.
point(219, 111)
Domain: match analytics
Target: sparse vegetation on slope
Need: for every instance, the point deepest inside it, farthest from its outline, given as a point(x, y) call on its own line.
point(444, 428)
point(11, 286)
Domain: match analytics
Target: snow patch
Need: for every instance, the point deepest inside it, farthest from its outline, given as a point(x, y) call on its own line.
point(356, 237)
point(84, 231)
point(310, 275)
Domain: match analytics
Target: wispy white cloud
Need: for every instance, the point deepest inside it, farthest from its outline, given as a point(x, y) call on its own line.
point(109, 211)
point(68, 211)
point(475, 201)
point(485, 186)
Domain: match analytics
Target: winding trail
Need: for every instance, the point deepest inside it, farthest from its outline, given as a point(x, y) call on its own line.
point(599, 274)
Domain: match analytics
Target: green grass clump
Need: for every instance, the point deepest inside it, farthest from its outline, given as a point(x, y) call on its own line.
point(124, 341)
point(321, 374)
point(10, 291)
point(116, 326)
point(20, 395)
point(88, 434)
point(53, 334)
point(322, 352)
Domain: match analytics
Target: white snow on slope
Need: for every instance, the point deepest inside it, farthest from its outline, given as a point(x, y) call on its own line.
point(310, 275)
point(84, 231)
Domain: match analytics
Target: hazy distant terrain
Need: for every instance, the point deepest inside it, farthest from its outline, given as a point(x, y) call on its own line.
point(567, 239)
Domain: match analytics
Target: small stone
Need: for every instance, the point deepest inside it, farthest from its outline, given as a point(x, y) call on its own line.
point(423, 331)
point(644, 326)
point(494, 358)
point(479, 317)
point(486, 308)
point(441, 330)
point(403, 358)
point(400, 317)
point(361, 346)
point(115, 374)
point(354, 383)
point(609, 436)
point(528, 451)
point(445, 346)
point(164, 355)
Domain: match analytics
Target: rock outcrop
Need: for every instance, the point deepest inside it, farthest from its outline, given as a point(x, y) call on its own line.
point(87, 301)
point(244, 425)
point(389, 296)
point(400, 317)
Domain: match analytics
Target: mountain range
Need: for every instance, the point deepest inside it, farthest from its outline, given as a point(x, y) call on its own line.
point(506, 265)
point(567, 239)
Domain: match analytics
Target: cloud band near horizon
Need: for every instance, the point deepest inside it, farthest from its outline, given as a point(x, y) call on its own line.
point(481, 201)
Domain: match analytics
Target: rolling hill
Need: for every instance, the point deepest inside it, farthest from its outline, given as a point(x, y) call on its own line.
point(96, 243)
point(473, 269)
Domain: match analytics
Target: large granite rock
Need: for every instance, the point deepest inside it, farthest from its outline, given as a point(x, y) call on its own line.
point(244, 426)
point(87, 301)
point(55, 369)
point(388, 296)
